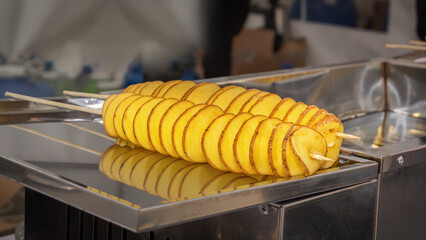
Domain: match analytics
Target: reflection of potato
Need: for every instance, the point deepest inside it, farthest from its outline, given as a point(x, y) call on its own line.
point(167, 177)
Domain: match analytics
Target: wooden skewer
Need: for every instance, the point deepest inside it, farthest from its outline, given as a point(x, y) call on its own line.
point(320, 158)
point(90, 131)
point(83, 94)
point(347, 136)
point(56, 139)
point(405, 46)
point(414, 42)
point(53, 103)
point(99, 112)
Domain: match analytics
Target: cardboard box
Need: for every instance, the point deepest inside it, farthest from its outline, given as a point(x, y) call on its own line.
point(8, 189)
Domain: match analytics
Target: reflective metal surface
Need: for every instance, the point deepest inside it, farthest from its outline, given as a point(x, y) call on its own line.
point(401, 203)
point(65, 172)
point(12, 112)
point(348, 213)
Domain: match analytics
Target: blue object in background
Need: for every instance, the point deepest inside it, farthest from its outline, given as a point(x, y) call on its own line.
point(287, 65)
point(134, 74)
point(339, 12)
point(190, 74)
point(21, 85)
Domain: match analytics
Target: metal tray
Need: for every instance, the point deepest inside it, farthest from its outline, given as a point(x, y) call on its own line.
point(69, 173)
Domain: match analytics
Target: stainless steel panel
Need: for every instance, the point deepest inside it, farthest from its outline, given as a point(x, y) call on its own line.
point(347, 213)
point(407, 88)
point(252, 223)
point(401, 203)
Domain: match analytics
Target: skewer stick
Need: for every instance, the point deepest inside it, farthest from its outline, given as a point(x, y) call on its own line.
point(320, 158)
point(347, 136)
point(83, 94)
point(414, 42)
point(90, 131)
point(53, 103)
point(56, 139)
point(405, 46)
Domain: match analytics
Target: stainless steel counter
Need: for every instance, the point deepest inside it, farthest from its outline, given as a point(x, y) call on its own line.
point(66, 172)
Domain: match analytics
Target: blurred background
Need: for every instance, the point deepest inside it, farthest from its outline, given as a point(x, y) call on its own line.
point(47, 46)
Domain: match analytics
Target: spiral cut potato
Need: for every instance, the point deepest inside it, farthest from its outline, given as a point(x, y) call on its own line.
point(236, 99)
point(240, 143)
point(168, 177)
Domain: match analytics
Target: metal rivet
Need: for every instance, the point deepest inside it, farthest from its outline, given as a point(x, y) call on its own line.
point(400, 160)
point(265, 209)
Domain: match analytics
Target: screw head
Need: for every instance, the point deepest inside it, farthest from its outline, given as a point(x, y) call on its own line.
point(265, 209)
point(400, 160)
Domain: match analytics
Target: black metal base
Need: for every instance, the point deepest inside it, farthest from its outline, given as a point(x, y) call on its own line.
point(47, 218)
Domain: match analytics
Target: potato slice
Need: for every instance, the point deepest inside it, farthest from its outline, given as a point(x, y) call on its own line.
point(166, 86)
point(277, 148)
point(109, 157)
point(223, 181)
point(306, 115)
point(129, 117)
point(225, 98)
point(259, 154)
point(192, 183)
point(236, 103)
point(174, 186)
point(243, 180)
point(177, 91)
point(210, 140)
point(265, 105)
point(119, 114)
point(139, 171)
point(242, 147)
point(316, 117)
point(109, 114)
point(153, 173)
point(118, 163)
point(154, 123)
point(217, 93)
point(167, 175)
point(328, 126)
point(293, 165)
point(282, 108)
point(154, 94)
point(130, 88)
point(140, 124)
point(106, 104)
point(126, 169)
point(139, 88)
point(179, 128)
point(247, 105)
point(305, 141)
point(294, 112)
point(194, 131)
point(226, 141)
point(150, 87)
point(166, 125)
point(106, 155)
point(200, 93)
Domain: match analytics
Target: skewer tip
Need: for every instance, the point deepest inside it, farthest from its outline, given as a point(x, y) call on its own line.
point(320, 157)
point(347, 136)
